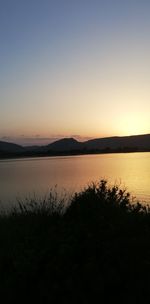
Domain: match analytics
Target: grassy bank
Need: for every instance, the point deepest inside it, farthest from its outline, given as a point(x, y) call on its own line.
point(98, 247)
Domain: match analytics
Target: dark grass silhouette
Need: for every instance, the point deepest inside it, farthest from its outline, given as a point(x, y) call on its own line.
point(99, 246)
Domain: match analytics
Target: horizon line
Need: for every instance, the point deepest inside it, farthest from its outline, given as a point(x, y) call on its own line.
point(52, 140)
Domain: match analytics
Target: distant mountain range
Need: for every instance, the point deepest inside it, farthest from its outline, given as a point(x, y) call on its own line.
point(68, 146)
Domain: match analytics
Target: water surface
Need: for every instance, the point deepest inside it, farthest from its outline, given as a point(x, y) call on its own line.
point(20, 178)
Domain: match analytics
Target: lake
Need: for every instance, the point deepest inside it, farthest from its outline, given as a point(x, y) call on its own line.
point(21, 178)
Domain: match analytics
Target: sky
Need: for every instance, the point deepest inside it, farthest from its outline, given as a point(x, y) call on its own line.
point(78, 68)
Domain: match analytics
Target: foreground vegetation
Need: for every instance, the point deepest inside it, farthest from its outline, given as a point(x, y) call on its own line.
point(98, 247)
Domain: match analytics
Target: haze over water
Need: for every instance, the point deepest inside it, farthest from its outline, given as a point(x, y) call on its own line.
point(22, 178)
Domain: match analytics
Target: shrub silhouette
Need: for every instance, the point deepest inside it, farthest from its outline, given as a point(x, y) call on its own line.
point(100, 198)
point(96, 247)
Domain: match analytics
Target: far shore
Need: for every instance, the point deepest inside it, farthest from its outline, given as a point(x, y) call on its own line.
point(68, 153)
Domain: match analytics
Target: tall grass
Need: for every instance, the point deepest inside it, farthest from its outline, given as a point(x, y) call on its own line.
point(95, 195)
point(95, 245)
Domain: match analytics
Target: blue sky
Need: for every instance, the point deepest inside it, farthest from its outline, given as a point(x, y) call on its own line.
point(74, 68)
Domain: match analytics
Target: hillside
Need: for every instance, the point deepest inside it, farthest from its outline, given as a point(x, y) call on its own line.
point(65, 144)
point(72, 146)
point(136, 141)
point(6, 147)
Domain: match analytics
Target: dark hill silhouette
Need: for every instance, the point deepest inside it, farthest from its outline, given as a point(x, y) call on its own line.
point(135, 141)
point(116, 143)
point(65, 144)
point(6, 147)
point(72, 146)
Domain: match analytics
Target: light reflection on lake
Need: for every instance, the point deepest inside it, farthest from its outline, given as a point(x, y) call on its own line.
point(24, 177)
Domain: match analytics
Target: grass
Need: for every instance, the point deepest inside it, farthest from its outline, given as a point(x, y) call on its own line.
point(97, 247)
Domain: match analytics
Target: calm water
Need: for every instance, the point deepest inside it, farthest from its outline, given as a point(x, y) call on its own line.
point(23, 177)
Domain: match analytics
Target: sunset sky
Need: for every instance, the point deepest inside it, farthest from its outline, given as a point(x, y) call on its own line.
point(74, 68)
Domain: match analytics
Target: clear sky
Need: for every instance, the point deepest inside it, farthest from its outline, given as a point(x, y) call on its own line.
point(74, 67)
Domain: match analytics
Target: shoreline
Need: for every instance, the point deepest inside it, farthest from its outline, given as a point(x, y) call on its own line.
point(59, 154)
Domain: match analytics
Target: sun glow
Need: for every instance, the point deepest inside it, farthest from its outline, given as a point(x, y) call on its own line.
point(132, 124)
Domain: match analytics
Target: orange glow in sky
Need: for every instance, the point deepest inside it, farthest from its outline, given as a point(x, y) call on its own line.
point(83, 69)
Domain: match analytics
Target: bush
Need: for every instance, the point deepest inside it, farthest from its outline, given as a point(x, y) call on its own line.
point(99, 197)
point(96, 247)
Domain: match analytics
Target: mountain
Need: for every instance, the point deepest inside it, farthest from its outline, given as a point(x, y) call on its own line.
point(65, 144)
point(70, 145)
point(116, 143)
point(6, 147)
point(134, 142)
